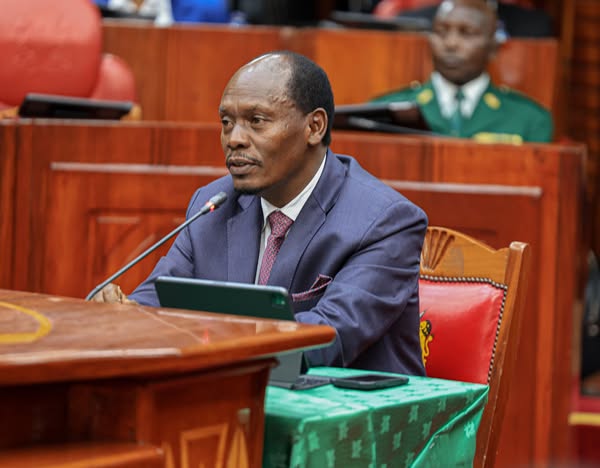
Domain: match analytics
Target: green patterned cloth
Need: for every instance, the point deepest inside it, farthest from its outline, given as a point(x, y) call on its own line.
point(428, 422)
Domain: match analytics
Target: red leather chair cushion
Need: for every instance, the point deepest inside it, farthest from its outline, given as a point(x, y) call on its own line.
point(459, 323)
point(115, 80)
point(51, 47)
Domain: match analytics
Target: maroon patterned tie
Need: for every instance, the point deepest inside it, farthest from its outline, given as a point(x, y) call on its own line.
point(280, 224)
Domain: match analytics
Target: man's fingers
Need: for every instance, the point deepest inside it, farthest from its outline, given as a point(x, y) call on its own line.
point(111, 294)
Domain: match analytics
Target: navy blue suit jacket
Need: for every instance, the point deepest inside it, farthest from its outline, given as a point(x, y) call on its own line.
point(350, 260)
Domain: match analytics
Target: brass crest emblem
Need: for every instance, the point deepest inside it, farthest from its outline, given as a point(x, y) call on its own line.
point(425, 337)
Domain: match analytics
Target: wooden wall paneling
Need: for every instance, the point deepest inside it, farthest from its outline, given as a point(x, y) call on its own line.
point(484, 211)
point(43, 151)
point(33, 416)
point(574, 245)
point(530, 66)
point(121, 210)
point(7, 201)
point(28, 209)
point(201, 60)
point(144, 48)
point(363, 64)
point(190, 145)
point(80, 141)
point(103, 193)
point(408, 158)
point(44, 142)
point(584, 118)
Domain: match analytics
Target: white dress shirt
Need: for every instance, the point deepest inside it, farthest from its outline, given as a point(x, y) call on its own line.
point(291, 210)
point(446, 94)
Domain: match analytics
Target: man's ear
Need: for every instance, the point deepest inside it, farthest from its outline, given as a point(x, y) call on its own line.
point(317, 126)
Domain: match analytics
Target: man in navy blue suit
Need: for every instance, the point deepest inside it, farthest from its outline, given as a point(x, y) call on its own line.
point(351, 256)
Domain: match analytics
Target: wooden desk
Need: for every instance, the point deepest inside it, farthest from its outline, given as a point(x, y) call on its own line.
point(7, 200)
point(191, 384)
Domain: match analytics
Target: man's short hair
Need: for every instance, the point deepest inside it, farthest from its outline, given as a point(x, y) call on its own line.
point(309, 87)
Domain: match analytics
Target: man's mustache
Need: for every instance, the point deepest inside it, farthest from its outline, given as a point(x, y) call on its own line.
point(241, 157)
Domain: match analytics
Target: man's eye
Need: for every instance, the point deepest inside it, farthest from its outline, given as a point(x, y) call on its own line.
point(468, 32)
point(257, 120)
point(225, 122)
point(440, 31)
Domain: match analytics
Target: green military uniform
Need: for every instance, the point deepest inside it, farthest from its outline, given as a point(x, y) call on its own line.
point(501, 115)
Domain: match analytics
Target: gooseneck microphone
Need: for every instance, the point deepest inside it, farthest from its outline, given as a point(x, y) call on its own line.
point(208, 207)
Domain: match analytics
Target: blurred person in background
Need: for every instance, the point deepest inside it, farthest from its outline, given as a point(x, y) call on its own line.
point(460, 99)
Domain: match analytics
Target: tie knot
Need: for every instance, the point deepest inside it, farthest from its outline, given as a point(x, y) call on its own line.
point(459, 95)
point(279, 223)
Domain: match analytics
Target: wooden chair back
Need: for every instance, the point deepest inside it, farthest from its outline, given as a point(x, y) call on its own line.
point(471, 301)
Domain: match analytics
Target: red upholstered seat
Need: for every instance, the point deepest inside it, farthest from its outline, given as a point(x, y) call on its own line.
point(55, 47)
point(460, 319)
point(115, 80)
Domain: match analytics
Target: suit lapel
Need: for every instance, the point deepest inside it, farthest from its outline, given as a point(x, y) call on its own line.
point(307, 224)
point(243, 238)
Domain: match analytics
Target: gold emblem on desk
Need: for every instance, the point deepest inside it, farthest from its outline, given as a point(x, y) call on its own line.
point(14, 337)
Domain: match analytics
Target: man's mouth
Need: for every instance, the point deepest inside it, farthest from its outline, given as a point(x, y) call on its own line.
point(452, 62)
point(241, 165)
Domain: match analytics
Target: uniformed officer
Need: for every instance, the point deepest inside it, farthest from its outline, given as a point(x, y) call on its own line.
point(459, 99)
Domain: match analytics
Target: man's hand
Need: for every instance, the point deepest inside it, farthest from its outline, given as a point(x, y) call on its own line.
point(112, 293)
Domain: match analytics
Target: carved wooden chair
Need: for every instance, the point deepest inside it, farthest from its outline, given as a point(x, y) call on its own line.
point(471, 301)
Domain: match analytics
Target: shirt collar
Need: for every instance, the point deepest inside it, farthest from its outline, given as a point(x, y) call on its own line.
point(293, 208)
point(446, 92)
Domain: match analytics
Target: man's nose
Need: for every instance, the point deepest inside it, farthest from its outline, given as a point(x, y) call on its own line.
point(452, 40)
point(238, 137)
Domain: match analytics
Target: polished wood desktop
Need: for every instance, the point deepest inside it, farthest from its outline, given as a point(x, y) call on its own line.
point(87, 381)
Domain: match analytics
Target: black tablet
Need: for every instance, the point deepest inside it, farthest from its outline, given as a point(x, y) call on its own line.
point(264, 301)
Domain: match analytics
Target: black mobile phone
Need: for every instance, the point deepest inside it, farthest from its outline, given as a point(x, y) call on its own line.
point(370, 381)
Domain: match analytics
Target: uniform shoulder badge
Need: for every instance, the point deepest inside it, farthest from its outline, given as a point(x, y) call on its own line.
point(425, 96)
point(491, 100)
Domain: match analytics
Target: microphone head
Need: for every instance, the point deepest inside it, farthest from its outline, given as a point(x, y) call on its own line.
point(217, 200)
